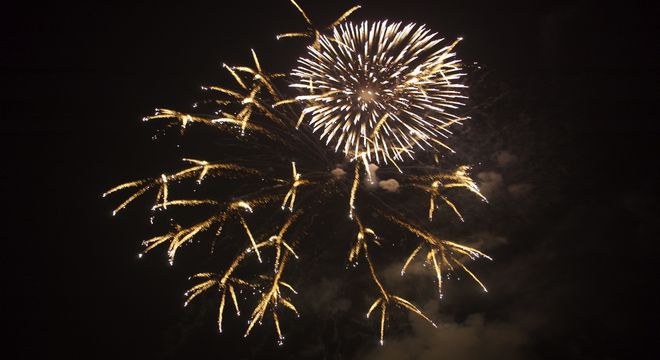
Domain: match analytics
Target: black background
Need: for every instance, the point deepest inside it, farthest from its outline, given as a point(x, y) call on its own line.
point(580, 85)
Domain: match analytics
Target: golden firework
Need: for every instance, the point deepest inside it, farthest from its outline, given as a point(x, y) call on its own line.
point(377, 91)
point(380, 89)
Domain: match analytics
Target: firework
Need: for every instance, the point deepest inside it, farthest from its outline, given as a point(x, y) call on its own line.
point(377, 91)
point(380, 90)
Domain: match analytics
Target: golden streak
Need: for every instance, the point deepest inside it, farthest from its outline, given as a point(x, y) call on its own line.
point(373, 306)
point(233, 298)
point(438, 272)
point(221, 309)
point(164, 205)
point(124, 186)
point(289, 35)
point(277, 326)
point(356, 182)
point(302, 12)
point(256, 60)
point(408, 305)
point(453, 207)
point(283, 102)
point(249, 234)
point(235, 76)
point(344, 16)
point(410, 259)
point(382, 321)
point(471, 274)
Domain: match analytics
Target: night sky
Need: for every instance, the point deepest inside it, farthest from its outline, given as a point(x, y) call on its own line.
point(563, 141)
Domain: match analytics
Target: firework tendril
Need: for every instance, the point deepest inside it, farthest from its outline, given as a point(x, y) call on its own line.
point(363, 94)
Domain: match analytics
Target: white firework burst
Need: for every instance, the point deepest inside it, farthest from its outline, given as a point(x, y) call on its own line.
point(380, 90)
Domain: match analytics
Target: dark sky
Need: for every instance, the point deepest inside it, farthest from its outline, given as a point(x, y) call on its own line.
point(563, 139)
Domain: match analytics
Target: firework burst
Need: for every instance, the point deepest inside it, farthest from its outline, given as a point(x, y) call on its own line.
point(377, 91)
point(380, 90)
